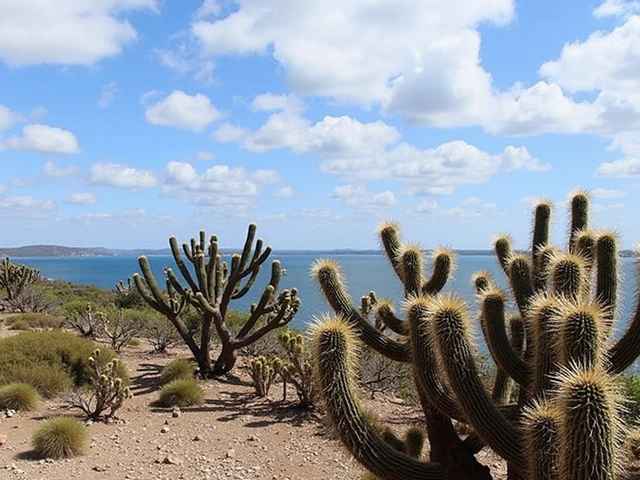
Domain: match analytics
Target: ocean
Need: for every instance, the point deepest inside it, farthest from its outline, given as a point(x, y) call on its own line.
point(363, 273)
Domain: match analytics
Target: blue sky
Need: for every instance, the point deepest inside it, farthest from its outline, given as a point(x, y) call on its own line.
point(123, 122)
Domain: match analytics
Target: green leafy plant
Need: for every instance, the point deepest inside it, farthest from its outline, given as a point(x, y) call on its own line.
point(19, 396)
point(178, 369)
point(106, 392)
point(181, 393)
point(60, 437)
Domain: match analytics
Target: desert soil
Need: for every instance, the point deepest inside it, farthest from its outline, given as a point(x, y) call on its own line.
point(233, 435)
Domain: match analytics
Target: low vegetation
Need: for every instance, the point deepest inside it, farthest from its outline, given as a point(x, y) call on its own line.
point(181, 393)
point(19, 396)
point(60, 437)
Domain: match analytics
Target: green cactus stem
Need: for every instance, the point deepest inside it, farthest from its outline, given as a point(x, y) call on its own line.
point(540, 426)
point(334, 347)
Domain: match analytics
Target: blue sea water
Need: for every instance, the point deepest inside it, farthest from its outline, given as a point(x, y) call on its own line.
point(363, 273)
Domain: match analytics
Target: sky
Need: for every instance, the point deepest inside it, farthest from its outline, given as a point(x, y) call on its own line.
point(125, 122)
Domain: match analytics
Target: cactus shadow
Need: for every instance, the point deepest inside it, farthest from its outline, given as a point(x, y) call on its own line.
point(146, 379)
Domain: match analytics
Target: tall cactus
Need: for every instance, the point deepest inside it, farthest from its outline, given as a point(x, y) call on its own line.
point(556, 347)
point(211, 284)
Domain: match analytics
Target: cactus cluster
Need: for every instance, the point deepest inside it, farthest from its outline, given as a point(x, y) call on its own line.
point(14, 278)
point(556, 346)
point(263, 371)
point(106, 393)
point(210, 285)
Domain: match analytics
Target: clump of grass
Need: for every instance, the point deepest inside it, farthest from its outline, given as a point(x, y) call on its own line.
point(181, 393)
point(51, 361)
point(34, 321)
point(60, 437)
point(19, 396)
point(178, 369)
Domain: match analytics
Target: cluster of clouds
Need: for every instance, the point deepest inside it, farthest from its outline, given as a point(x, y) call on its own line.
point(426, 69)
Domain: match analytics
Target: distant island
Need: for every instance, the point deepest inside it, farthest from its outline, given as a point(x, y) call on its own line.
point(62, 251)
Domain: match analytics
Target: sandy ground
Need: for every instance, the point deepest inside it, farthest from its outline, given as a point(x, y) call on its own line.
point(233, 435)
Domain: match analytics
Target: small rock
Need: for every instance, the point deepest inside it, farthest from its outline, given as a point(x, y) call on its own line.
point(9, 413)
point(164, 429)
point(3, 439)
point(99, 468)
point(197, 438)
point(169, 460)
point(231, 453)
point(176, 412)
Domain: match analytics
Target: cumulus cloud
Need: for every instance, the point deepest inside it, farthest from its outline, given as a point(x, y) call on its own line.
point(604, 193)
point(44, 139)
point(81, 198)
point(27, 202)
point(180, 110)
point(8, 118)
point(120, 176)
point(50, 169)
point(628, 167)
point(217, 185)
point(357, 196)
point(73, 32)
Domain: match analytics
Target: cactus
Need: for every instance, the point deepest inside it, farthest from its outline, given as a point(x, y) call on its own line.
point(263, 371)
point(295, 368)
point(556, 346)
point(211, 284)
point(106, 393)
point(14, 278)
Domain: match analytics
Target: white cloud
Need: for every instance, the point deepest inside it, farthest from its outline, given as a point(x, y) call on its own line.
point(120, 176)
point(44, 139)
point(217, 185)
point(108, 94)
point(357, 195)
point(180, 110)
point(27, 202)
point(66, 32)
point(340, 64)
point(207, 156)
point(49, 169)
point(628, 167)
point(8, 118)
point(616, 8)
point(284, 192)
point(81, 198)
point(607, 193)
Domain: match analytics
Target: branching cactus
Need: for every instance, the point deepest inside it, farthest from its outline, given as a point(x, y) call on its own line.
point(556, 347)
point(295, 368)
point(106, 393)
point(263, 371)
point(210, 285)
point(14, 278)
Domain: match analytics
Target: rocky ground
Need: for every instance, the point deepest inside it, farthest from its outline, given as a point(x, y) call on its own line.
point(233, 435)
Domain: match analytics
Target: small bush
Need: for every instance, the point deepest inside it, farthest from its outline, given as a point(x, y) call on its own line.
point(181, 393)
point(19, 396)
point(30, 357)
point(60, 437)
point(34, 321)
point(630, 388)
point(161, 333)
point(178, 369)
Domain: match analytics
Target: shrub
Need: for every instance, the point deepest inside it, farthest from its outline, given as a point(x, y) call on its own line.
point(630, 389)
point(60, 437)
point(31, 357)
point(178, 369)
point(161, 333)
point(34, 321)
point(181, 393)
point(120, 325)
point(19, 396)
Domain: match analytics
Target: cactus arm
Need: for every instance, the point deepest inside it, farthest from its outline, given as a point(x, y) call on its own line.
point(333, 349)
point(284, 310)
point(212, 265)
point(625, 351)
point(503, 251)
point(442, 267)
point(148, 297)
point(541, 222)
point(327, 275)
point(482, 281)
point(390, 240)
point(543, 314)
point(494, 321)
point(449, 325)
point(569, 276)
point(520, 280)
point(607, 274)
point(580, 334)
point(587, 428)
point(427, 375)
point(180, 263)
point(542, 442)
point(579, 216)
point(385, 316)
point(248, 244)
point(502, 384)
point(411, 261)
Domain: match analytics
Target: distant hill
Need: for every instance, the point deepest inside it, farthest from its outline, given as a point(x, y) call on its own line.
point(62, 251)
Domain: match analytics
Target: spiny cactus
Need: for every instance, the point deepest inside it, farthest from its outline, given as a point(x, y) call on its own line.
point(263, 371)
point(211, 284)
point(556, 347)
point(106, 393)
point(14, 278)
point(295, 368)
